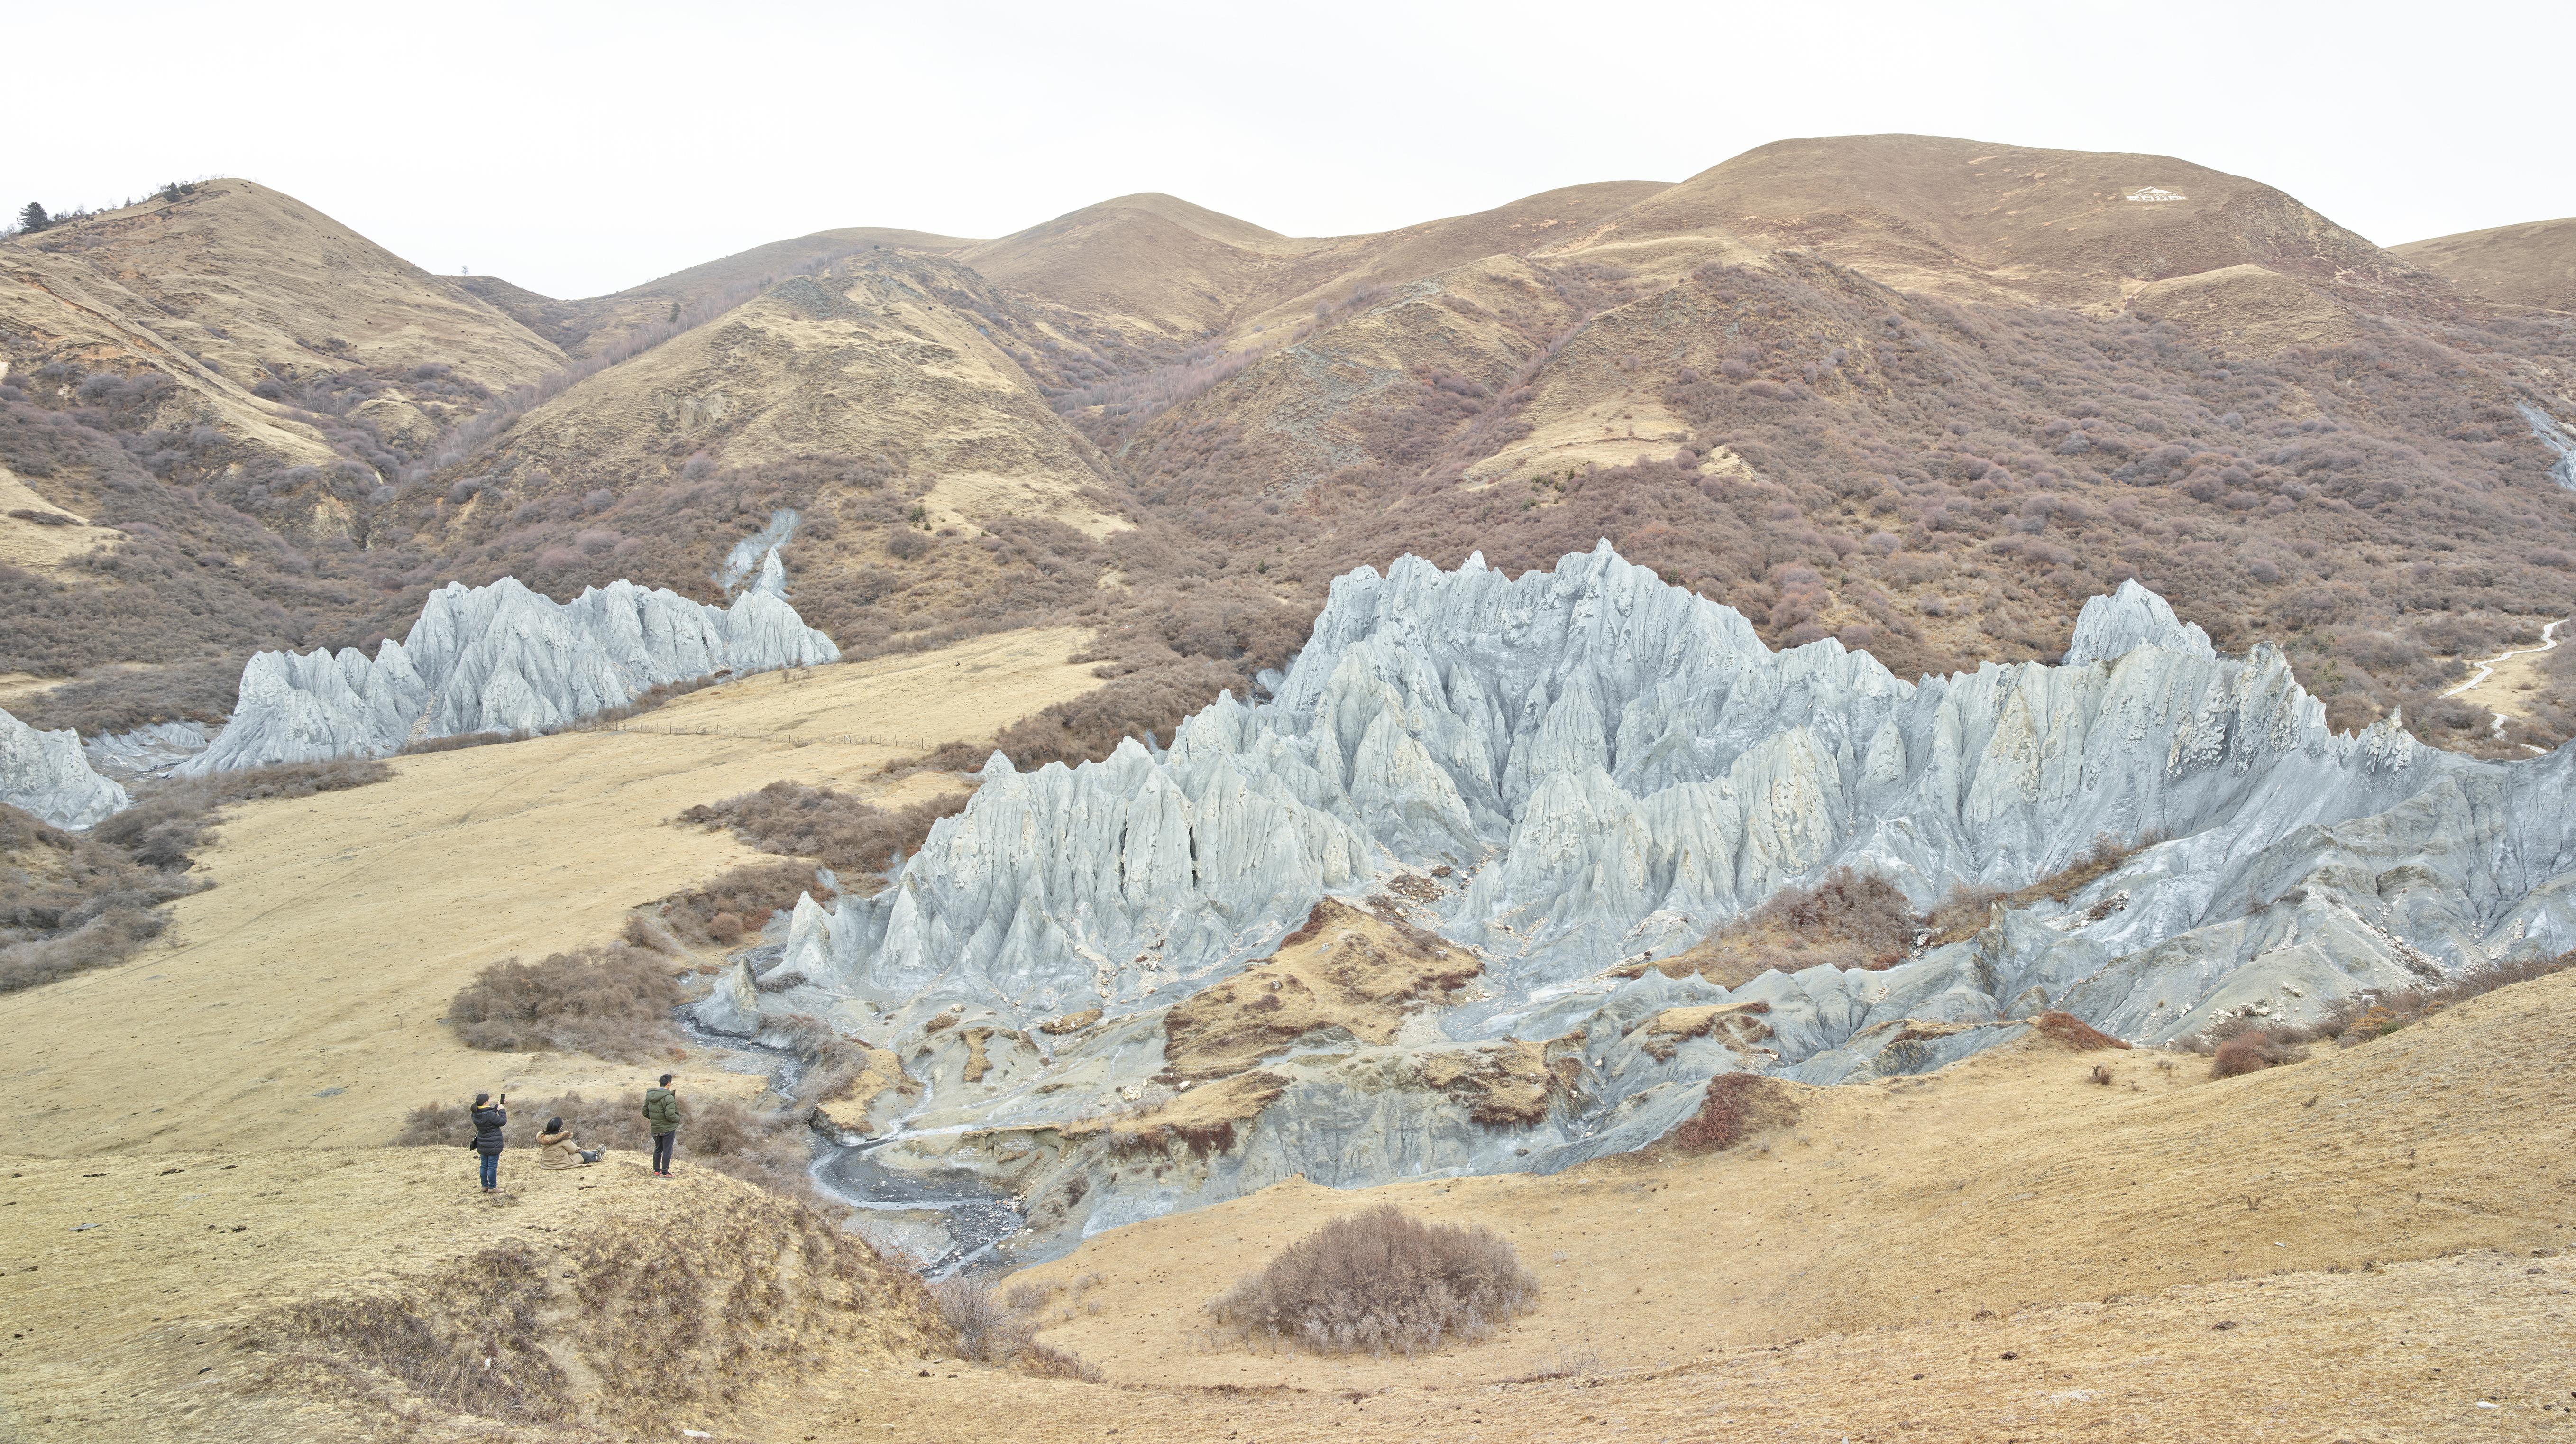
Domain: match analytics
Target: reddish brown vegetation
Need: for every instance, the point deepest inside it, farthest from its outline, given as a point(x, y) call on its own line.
point(1735, 1107)
point(739, 902)
point(2251, 1051)
point(2069, 1031)
point(1848, 920)
point(857, 840)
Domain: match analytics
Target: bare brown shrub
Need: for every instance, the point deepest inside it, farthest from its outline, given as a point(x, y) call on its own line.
point(999, 1327)
point(1380, 1281)
point(1146, 704)
point(856, 839)
point(2069, 1031)
point(74, 901)
point(1049, 1362)
point(1735, 1107)
point(611, 1001)
point(741, 900)
point(460, 741)
point(988, 1329)
point(1967, 909)
point(2252, 1051)
point(196, 691)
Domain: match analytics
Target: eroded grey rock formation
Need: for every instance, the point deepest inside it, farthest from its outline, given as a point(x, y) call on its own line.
point(155, 750)
point(46, 774)
point(503, 658)
point(1607, 767)
point(2545, 429)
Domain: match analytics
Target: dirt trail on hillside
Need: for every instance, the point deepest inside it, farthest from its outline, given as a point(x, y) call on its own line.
point(299, 999)
point(2503, 679)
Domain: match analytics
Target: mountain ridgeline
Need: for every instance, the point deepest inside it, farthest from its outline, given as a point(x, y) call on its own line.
point(1922, 395)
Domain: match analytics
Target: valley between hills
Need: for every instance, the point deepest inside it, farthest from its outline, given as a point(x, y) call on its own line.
point(1877, 760)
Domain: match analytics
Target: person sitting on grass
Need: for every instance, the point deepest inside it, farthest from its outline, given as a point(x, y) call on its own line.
point(662, 1111)
point(489, 1119)
point(557, 1148)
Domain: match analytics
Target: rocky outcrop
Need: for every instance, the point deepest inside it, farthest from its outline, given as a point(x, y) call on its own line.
point(1614, 764)
point(732, 1006)
point(46, 775)
point(1570, 772)
point(503, 659)
point(155, 750)
point(2546, 430)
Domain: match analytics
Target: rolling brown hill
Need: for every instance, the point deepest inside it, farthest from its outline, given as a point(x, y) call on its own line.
point(247, 281)
point(1920, 393)
point(874, 398)
point(2533, 264)
point(1975, 219)
point(1180, 270)
point(1836, 383)
point(1150, 261)
point(1930, 395)
point(583, 327)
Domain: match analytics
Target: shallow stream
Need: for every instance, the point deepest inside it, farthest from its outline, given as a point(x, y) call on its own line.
point(946, 1220)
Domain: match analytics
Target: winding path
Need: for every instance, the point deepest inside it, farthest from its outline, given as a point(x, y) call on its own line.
point(2486, 669)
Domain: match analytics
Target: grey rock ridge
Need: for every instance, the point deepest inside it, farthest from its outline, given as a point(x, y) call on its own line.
point(1579, 769)
point(46, 775)
point(502, 658)
point(156, 749)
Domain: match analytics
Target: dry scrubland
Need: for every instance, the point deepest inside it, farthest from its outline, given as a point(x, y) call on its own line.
point(209, 1240)
point(2365, 1246)
point(1921, 395)
point(1924, 395)
point(301, 995)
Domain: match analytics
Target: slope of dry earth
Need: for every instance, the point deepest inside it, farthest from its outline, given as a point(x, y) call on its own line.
point(581, 327)
point(246, 280)
point(1997, 222)
point(873, 361)
point(2533, 264)
point(300, 996)
point(2002, 1184)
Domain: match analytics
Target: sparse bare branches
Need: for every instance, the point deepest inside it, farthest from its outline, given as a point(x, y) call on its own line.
point(1381, 1281)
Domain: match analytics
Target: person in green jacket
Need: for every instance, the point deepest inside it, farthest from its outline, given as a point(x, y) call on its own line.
point(662, 1111)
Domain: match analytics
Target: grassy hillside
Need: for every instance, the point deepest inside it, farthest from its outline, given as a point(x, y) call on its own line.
point(1922, 394)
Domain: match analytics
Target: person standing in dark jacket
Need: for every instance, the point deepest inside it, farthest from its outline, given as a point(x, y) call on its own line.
point(489, 1119)
point(662, 1111)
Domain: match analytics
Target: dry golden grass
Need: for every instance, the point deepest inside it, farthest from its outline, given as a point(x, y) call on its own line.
point(340, 925)
point(2002, 1184)
point(1356, 971)
point(39, 536)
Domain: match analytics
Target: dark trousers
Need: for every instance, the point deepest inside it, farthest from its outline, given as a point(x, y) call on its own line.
point(491, 1170)
point(662, 1151)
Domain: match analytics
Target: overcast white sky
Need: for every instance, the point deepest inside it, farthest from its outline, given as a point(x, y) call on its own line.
point(579, 148)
